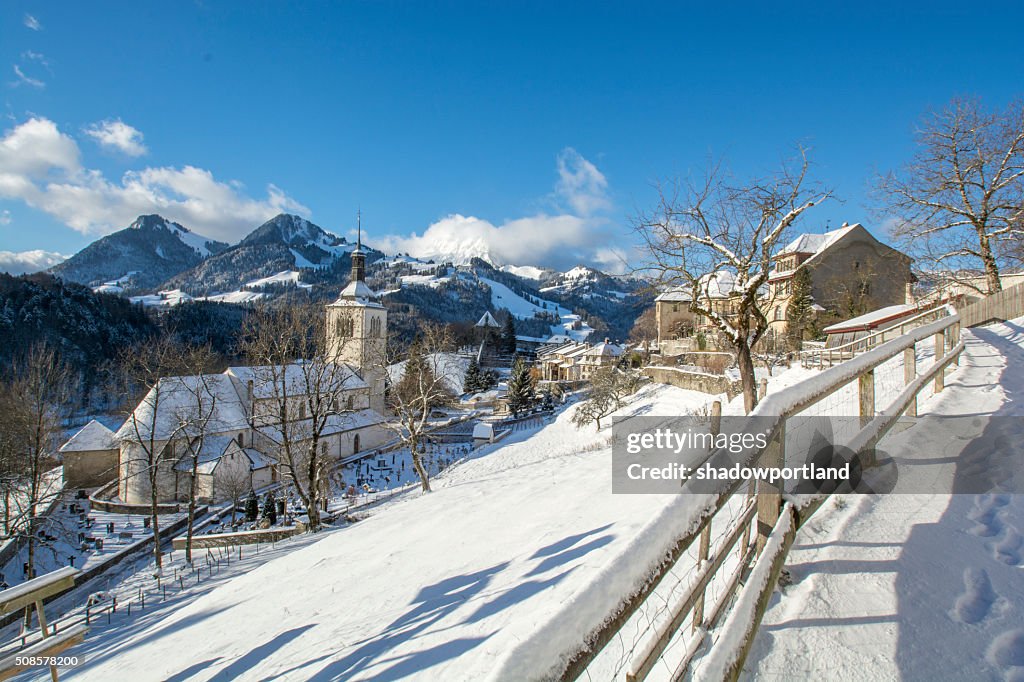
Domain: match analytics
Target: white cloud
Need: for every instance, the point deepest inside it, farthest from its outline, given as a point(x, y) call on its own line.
point(32, 23)
point(118, 135)
point(40, 166)
point(5, 217)
point(580, 184)
point(17, 263)
point(27, 80)
point(579, 234)
point(34, 149)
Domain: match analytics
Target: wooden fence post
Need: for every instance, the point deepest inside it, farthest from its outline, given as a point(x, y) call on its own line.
point(909, 374)
point(705, 534)
point(866, 391)
point(769, 495)
point(940, 350)
point(955, 339)
point(762, 389)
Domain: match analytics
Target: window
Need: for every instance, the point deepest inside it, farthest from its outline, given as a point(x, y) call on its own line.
point(780, 313)
point(856, 265)
point(344, 326)
point(675, 307)
point(302, 410)
point(376, 327)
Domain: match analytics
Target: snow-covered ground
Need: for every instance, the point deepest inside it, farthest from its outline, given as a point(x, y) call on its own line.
point(913, 586)
point(449, 366)
point(283, 277)
point(503, 297)
point(439, 586)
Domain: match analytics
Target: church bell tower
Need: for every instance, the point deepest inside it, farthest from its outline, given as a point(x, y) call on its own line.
point(357, 327)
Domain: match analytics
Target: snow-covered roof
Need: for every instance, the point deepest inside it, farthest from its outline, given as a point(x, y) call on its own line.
point(487, 320)
point(816, 243)
point(210, 452)
point(175, 401)
point(293, 379)
point(92, 436)
point(258, 459)
point(483, 430)
point(873, 319)
point(719, 284)
point(357, 294)
point(336, 423)
point(213, 451)
point(605, 349)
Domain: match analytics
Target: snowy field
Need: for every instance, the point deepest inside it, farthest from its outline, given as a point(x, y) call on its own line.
point(913, 587)
point(442, 586)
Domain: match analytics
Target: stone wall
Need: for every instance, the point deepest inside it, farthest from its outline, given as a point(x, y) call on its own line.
point(713, 384)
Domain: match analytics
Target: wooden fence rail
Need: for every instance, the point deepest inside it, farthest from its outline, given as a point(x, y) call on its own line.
point(766, 554)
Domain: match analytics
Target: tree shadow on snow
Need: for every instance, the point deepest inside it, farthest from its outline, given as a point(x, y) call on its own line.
point(432, 604)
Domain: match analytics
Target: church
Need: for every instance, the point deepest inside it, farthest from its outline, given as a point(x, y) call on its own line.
point(241, 439)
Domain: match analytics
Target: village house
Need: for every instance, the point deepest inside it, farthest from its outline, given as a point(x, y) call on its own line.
point(851, 273)
point(229, 421)
point(680, 328)
point(90, 456)
point(574, 361)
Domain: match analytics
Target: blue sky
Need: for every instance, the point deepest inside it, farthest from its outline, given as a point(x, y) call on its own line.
point(534, 128)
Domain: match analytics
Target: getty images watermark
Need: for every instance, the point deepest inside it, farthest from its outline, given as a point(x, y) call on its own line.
point(918, 455)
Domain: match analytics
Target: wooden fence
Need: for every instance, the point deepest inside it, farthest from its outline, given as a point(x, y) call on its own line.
point(1000, 306)
point(764, 528)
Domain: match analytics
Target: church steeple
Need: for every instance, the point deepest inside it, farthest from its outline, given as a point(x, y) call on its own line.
point(358, 257)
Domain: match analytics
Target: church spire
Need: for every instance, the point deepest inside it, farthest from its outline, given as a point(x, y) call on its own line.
point(358, 257)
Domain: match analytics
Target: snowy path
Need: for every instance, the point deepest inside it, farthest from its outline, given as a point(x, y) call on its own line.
point(913, 587)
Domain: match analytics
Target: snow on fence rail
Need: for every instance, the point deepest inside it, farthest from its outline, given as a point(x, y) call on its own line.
point(881, 384)
point(826, 357)
point(31, 594)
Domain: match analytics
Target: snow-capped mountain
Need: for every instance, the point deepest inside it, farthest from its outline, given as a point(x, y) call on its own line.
point(458, 251)
point(138, 257)
point(284, 244)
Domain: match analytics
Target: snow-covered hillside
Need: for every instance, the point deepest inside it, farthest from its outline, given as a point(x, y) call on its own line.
point(440, 586)
point(569, 323)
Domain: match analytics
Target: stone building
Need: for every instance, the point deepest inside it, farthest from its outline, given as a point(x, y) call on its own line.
point(851, 273)
point(90, 457)
point(230, 421)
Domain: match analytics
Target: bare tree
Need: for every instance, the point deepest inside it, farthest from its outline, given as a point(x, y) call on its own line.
point(719, 234)
point(234, 483)
point(33, 401)
point(150, 441)
point(425, 382)
point(609, 388)
point(195, 416)
point(960, 199)
point(306, 384)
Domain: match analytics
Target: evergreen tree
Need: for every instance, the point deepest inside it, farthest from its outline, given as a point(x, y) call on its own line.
point(520, 387)
point(508, 336)
point(252, 507)
point(798, 313)
point(270, 508)
point(473, 380)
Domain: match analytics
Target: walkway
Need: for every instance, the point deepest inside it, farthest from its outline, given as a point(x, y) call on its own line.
point(916, 586)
